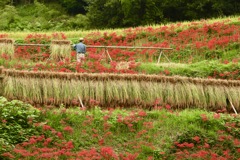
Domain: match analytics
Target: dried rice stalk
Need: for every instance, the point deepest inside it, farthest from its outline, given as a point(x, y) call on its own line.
point(120, 90)
point(60, 49)
point(7, 46)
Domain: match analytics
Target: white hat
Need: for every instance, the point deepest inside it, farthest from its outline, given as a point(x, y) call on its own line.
point(81, 39)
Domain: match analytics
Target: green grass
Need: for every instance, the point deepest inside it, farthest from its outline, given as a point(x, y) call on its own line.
point(161, 130)
point(166, 128)
point(142, 133)
point(199, 69)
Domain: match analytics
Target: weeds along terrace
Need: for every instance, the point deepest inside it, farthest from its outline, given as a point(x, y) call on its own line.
point(114, 90)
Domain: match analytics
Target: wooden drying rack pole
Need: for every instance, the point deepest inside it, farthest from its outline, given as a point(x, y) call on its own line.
point(119, 47)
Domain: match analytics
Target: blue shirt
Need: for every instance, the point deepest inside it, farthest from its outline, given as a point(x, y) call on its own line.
point(80, 47)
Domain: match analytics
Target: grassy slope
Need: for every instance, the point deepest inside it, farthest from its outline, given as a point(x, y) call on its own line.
point(198, 69)
point(195, 69)
point(143, 133)
point(74, 35)
point(167, 128)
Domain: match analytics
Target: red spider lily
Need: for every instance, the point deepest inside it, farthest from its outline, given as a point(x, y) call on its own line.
point(59, 135)
point(47, 141)
point(108, 134)
point(108, 153)
point(197, 139)
point(46, 127)
point(142, 113)
point(59, 36)
point(140, 133)
point(168, 107)
point(238, 150)
point(101, 142)
point(185, 144)
point(7, 155)
point(69, 145)
point(3, 35)
point(129, 156)
point(206, 145)
point(5, 56)
point(216, 115)
point(89, 154)
point(68, 129)
point(204, 117)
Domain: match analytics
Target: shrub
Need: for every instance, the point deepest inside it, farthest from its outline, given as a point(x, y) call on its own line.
point(16, 123)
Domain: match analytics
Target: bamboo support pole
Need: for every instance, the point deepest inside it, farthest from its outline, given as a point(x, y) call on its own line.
point(91, 46)
point(106, 49)
point(80, 100)
point(160, 55)
point(1, 80)
point(106, 52)
point(233, 107)
point(40, 45)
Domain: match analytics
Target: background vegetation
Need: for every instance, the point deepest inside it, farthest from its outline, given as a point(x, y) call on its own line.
point(33, 15)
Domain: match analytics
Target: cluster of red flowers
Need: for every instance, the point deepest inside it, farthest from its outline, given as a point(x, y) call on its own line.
point(200, 38)
point(54, 145)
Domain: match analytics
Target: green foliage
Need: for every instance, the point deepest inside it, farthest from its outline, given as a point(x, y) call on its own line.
point(205, 136)
point(232, 126)
point(112, 126)
point(3, 3)
point(40, 16)
point(199, 69)
point(74, 6)
point(97, 14)
point(80, 21)
point(208, 131)
point(16, 123)
point(158, 133)
point(8, 17)
point(104, 14)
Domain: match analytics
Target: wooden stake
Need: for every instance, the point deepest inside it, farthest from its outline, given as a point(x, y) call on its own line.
point(106, 51)
point(166, 57)
point(159, 58)
point(80, 101)
point(233, 107)
point(102, 55)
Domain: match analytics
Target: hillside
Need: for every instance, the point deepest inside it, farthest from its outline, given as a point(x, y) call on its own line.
point(62, 15)
point(116, 134)
point(132, 106)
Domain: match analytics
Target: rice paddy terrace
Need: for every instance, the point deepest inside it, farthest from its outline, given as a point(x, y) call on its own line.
point(141, 93)
point(41, 68)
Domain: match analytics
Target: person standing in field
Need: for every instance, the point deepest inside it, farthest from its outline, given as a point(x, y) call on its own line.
point(80, 49)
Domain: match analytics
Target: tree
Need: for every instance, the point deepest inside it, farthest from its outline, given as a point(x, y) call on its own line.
point(8, 16)
point(141, 12)
point(104, 13)
point(3, 3)
point(74, 7)
point(123, 13)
